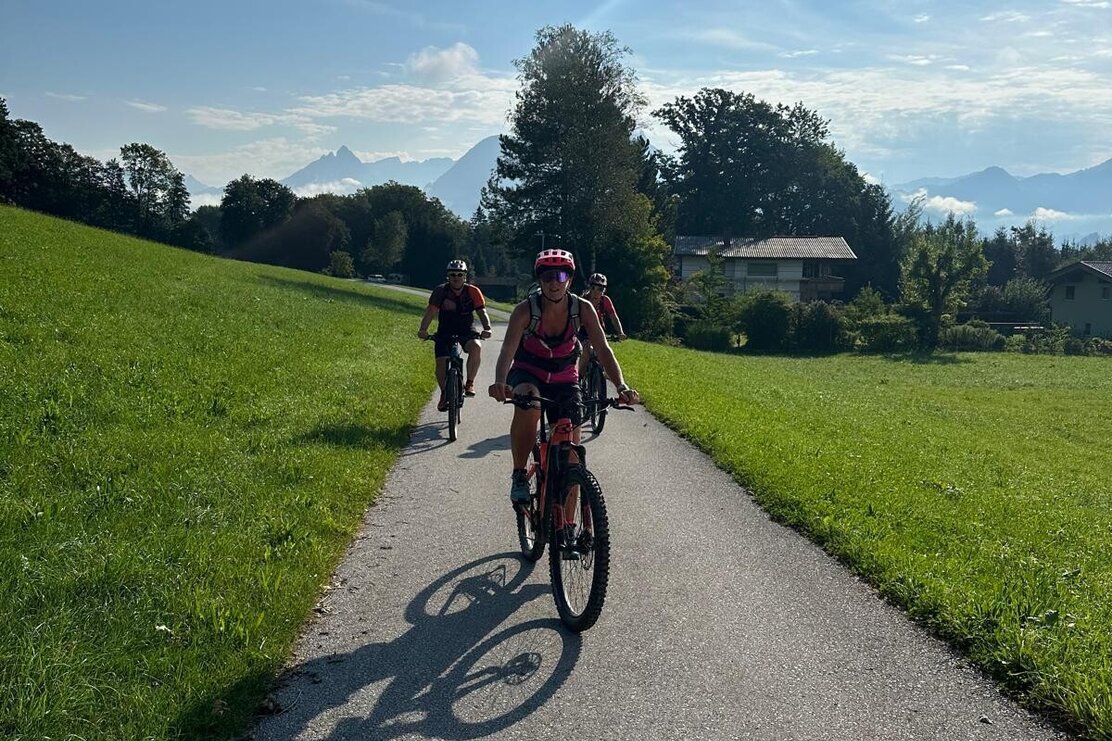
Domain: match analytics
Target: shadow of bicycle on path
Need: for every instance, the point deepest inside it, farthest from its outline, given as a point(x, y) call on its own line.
point(452, 675)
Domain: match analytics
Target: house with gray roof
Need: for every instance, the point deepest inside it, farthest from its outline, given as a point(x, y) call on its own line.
point(1081, 296)
point(803, 267)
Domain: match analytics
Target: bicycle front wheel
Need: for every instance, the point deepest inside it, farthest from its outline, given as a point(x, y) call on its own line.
point(451, 389)
point(580, 555)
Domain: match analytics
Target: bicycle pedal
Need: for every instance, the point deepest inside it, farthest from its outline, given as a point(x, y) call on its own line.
point(569, 554)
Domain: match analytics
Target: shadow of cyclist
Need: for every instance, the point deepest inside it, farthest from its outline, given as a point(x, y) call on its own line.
point(482, 448)
point(425, 437)
point(452, 675)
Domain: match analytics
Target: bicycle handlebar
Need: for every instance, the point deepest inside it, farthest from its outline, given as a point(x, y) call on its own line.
point(525, 401)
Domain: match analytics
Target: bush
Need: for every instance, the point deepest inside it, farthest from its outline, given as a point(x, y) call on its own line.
point(765, 317)
point(887, 333)
point(707, 336)
point(816, 327)
point(970, 337)
point(1016, 343)
point(340, 265)
point(1098, 346)
point(1073, 346)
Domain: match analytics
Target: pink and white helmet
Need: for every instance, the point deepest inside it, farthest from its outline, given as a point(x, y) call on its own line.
point(554, 259)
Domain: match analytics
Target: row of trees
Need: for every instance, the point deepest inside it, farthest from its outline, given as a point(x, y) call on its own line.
point(139, 193)
point(572, 173)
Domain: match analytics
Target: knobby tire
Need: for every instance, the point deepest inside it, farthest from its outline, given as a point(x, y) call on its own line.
point(580, 611)
point(451, 388)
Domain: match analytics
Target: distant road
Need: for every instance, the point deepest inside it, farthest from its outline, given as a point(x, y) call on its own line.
point(719, 623)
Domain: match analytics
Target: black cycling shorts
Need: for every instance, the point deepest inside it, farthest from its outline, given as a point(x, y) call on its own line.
point(443, 343)
point(570, 396)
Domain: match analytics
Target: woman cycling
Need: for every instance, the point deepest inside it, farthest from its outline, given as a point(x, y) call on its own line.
point(540, 355)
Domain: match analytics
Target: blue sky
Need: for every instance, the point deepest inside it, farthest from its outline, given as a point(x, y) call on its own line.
point(912, 88)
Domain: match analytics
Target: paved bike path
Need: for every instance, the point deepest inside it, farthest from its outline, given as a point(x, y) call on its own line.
point(719, 624)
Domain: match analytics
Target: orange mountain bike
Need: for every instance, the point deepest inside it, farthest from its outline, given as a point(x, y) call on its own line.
point(567, 510)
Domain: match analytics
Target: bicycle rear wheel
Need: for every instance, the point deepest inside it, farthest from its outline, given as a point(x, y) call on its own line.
point(580, 564)
point(451, 388)
point(598, 384)
point(589, 395)
point(530, 532)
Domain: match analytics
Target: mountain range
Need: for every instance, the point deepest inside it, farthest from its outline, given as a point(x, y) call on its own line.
point(1071, 204)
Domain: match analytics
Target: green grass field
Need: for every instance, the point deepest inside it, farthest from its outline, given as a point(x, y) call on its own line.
point(973, 489)
point(186, 446)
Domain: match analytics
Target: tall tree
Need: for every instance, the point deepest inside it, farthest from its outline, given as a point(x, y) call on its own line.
point(387, 246)
point(570, 167)
point(251, 206)
point(940, 268)
point(154, 185)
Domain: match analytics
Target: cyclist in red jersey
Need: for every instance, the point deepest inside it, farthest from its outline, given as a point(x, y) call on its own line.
point(540, 355)
point(454, 303)
point(596, 294)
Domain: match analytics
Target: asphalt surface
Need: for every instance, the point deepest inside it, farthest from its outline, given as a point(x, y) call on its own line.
point(718, 624)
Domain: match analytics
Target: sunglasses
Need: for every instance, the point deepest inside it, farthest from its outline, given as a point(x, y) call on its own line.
point(600, 287)
point(457, 275)
point(558, 276)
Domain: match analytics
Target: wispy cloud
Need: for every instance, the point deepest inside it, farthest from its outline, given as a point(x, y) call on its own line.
point(921, 18)
point(799, 53)
point(723, 37)
point(343, 187)
point(66, 96)
point(146, 107)
point(1003, 212)
point(1087, 3)
point(1006, 16)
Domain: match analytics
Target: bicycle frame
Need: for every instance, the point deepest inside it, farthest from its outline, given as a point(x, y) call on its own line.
point(550, 468)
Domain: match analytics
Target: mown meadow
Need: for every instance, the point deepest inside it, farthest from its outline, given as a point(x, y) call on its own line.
point(972, 489)
point(186, 446)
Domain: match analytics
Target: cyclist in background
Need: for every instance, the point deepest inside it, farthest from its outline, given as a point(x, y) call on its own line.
point(540, 357)
point(596, 294)
point(455, 304)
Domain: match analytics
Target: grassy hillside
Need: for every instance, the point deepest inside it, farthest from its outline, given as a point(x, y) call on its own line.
point(186, 445)
point(971, 488)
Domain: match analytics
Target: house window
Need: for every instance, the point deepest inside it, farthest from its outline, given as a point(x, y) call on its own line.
point(1070, 290)
point(762, 270)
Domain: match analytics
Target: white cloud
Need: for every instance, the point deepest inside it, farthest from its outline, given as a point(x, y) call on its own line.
point(917, 60)
point(799, 53)
point(343, 187)
point(1003, 212)
point(479, 99)
point(146, 107)
point(259, 89)
point(958, 67)
point(229, 120)
point(941, 204)
point(922, 18)
point(1049, 214)
point(1086, 3)
point(205, 199)
point(442, 65)
point(66, 96)
point(1007, 16)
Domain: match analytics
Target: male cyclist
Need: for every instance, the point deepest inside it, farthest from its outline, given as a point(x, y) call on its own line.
point(596, 294)
point(455, 304)
point(540, 356)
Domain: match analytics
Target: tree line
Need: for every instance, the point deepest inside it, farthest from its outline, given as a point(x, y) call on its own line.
point(574, 172)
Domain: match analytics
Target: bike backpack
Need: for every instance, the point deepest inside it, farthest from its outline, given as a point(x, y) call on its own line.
point(535, 312)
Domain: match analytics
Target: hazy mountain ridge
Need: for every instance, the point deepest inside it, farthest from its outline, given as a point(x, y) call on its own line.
point(1073, 204)
point(1083, 192)
point(342, 164)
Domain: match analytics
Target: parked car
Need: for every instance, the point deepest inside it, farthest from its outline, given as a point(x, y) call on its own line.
point(376, 278)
